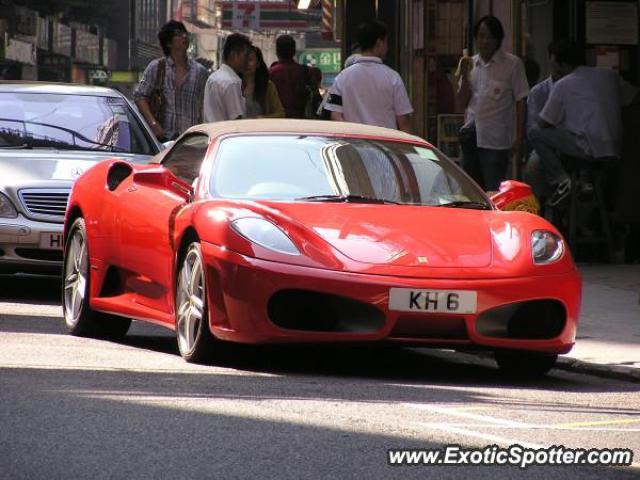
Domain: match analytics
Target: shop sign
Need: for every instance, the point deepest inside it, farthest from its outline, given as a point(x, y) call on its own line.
point(43, 33)
point(124, 77)
point(87, 47)
point(109, 53)
point(252, 15)
point(98, 75)
point(26, 22)
point(612, 23)
point(54, 61)
point(328, 60)
point(19, 51)
point(246, 16)
point(62, 39)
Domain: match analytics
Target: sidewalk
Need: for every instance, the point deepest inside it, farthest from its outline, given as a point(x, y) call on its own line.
point(608, 341)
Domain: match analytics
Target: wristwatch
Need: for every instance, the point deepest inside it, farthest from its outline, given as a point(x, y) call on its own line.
point(154, 123)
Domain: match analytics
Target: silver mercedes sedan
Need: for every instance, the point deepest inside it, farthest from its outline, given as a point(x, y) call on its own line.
point(49, 135)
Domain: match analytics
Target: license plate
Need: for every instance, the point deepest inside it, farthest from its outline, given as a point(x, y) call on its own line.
point(436, 301)
point(51, 241)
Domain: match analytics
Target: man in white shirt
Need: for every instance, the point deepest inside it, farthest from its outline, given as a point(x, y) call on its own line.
point(534, 174)
point(368, 91)
point(223, 98)
point(581, 119)
point(492, 85)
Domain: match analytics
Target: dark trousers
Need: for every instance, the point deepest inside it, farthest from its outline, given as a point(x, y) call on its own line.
point(486, 166)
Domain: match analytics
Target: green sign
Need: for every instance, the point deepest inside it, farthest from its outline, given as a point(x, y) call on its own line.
point(124, 77)
point(326, 59)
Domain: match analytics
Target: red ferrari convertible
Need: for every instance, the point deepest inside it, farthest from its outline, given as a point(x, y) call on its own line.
point(304, 231)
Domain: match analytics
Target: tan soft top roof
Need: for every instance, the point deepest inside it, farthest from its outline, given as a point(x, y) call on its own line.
point(301, 126)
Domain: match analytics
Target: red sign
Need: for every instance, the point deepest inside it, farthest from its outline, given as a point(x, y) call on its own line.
point(268, 15)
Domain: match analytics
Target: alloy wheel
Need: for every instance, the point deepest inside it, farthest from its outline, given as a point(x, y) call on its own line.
point(76, 270)
point(190, 301)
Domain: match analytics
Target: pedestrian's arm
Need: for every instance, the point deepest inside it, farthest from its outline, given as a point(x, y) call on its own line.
point(520, 86)
point(404, 123)
point(402, 105)
point(521, 120)
point(233, 101)
point(141, 96)
point(554, 109)
point(629, 94)
point(334, 104)
point(464, 92)
point(145, 109)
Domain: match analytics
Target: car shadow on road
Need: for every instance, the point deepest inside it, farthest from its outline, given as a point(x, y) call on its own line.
point(41, 289)
point(148, 424)
point(380, 362)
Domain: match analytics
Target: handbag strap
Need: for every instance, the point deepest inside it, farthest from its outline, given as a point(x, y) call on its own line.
point(160, 74)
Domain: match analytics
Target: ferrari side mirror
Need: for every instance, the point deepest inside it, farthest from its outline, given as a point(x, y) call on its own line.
point(514, 195)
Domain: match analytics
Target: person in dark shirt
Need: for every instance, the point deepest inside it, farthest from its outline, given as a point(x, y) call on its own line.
point(291, 78)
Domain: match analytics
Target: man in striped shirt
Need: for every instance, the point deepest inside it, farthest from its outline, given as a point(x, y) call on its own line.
point(183, 85)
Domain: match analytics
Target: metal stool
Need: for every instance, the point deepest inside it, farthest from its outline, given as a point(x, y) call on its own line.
point(594, 203)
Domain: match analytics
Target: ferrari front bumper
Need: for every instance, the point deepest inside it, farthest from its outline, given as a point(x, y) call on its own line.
point(242, 289)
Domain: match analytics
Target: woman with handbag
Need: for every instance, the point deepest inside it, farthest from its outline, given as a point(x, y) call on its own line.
point(171, 91)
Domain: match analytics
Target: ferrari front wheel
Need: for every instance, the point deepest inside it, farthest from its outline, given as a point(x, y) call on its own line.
point(79, 318)
point(524, 364)
point(195, 341)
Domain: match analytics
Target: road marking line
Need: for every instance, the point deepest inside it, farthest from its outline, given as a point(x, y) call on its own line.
point(494, 423)
point(472, 416)
point(485, 436)
point(603, 422)
point(533, 426)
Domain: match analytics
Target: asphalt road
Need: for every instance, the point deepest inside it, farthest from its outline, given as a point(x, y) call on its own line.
point(90, 409)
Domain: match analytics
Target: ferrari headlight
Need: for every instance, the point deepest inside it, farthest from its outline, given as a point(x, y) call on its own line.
point(7, 210)
point(265, 234)
point(546, 247)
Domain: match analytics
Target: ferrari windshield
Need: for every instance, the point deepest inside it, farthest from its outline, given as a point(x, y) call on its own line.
point(70, 122)
point(329, 169)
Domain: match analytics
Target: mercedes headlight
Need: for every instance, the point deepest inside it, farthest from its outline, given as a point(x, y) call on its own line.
point(546, 247)
point(7, 210)
point(264, 233)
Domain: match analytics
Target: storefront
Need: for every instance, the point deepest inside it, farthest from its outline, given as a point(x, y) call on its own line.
point(427, 38)
point(19, 37)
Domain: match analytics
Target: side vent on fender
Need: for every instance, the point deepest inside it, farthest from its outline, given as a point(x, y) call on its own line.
point(117, 173)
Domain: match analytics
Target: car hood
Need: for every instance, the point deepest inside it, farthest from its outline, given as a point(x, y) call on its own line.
point(53, 167)
point(403, 236)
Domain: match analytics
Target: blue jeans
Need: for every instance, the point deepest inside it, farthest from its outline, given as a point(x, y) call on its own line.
point(486, 166)
point(551, 144)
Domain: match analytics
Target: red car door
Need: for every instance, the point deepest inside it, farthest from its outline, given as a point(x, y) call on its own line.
point(147, 211)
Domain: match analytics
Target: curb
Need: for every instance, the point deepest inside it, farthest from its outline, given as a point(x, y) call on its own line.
point(629, 374)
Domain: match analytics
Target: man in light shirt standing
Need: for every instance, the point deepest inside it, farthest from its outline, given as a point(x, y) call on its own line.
point(582, 118)
point(368, 91)
point(223, 98)
point(492, 85)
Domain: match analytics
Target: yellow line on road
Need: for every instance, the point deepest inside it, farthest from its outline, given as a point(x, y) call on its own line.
point(591, 424)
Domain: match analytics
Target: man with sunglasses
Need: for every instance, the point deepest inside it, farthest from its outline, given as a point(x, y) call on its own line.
point(181, 81)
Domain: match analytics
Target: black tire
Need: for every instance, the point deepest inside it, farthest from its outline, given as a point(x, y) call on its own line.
point(79, 318)
point(195, 340)
point(522, 364)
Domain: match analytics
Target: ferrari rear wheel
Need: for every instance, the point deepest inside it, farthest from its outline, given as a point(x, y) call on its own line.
point(516, 363)
point(79, 318)
point(195, 340)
